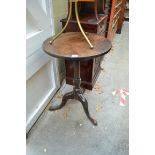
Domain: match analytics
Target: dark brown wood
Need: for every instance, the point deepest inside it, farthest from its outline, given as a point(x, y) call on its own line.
point(73, 47)
point(116, 17)
point(77, 94)
point(93, 22)
point(89, 24)
point(90, 70)
point(93, 17)
point(121, 18)
point(95, 9)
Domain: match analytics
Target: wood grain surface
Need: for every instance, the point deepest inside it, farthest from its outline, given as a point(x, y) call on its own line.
point(73, 46)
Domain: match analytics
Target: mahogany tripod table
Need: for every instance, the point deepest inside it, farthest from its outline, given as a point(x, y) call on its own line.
point(72, 46)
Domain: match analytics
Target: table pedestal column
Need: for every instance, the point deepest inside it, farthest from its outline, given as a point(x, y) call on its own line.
point(77, 94)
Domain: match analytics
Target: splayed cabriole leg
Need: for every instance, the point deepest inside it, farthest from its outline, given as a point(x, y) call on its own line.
point(66, 97)
point(77, 94)
point(84, 102)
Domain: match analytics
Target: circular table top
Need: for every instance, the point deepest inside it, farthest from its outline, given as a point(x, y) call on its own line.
point(73, 46)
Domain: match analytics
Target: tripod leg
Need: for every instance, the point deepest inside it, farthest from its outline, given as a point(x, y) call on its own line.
point(84, 102)
point(66, 97)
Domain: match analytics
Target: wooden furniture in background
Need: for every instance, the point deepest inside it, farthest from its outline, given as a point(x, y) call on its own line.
point(121, 18)
point(93, 18)
point(116, 7)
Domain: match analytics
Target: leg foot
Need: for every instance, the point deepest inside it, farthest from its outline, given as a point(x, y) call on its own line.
point(84, 102)
point(67, 96)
